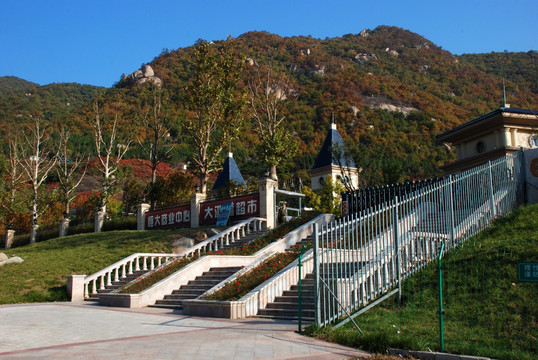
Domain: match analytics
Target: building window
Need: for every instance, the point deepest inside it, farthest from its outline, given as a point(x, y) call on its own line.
point(533, 141)
point(480, 147)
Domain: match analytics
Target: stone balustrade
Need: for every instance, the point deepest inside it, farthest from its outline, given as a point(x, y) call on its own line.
point(196, 268)
point(123, 268)
point(226, 237)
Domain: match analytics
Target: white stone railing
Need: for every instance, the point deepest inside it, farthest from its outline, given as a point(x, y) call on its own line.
point(226, 237)
point(196, 268)
point(266, 293)
point(83, 286)
point(121, 269)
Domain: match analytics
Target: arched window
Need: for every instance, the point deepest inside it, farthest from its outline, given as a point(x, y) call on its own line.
point(480, 147)
point(533, 141)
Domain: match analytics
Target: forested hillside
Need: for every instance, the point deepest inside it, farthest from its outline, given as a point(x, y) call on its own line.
point(8, 83)
point(390, 91)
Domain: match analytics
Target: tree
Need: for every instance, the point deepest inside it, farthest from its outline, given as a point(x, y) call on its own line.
point(109, 150)
point(10, 188)
point(214, 105)
point(69, 170)
point(174, 188)
point(39, 155)
point(327, 199)
point(267, 93)
point(154, 139)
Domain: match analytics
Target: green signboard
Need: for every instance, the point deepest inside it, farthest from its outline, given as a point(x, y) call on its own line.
point(527, 272)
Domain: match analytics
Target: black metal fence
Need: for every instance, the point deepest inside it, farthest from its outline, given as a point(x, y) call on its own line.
point(363, 199)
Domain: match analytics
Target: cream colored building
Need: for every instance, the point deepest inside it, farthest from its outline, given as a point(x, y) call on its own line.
point(330, 161)
point(491, 136)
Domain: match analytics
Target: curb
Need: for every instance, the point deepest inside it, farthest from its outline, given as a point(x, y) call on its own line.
point(427, 355)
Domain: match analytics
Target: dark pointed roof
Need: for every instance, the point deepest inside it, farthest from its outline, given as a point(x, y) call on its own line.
point(325, 156)
point(229, 172)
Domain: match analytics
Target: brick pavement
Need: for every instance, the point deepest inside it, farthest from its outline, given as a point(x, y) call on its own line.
point(87, 331)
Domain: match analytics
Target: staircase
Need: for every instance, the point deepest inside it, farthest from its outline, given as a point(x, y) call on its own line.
point(116, 285)
point(195, 288)
point(244, 240)
point(287, 306)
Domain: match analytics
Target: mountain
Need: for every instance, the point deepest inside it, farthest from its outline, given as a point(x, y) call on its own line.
point(390, 91)
point(12, 83)
point(21, 100)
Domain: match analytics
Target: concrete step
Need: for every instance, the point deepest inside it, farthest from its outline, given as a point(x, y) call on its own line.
point(168, 306)
point(279, 304)
point(196, 287)
point(291, 299)
point(305, 319)
point(291, 314)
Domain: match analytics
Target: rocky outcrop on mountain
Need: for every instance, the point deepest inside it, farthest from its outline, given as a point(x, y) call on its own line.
point(320, 70)
point(392, 52)
point(143, 75)
point(364, 58)
point(384, 103)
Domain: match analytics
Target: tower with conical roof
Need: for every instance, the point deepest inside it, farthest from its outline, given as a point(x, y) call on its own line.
point(331, 161)
point(230, 172)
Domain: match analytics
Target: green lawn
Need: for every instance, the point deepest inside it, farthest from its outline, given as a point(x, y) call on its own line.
point(487, 312)
point(42, 275)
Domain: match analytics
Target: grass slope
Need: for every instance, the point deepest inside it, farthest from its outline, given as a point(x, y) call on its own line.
point(42, 275)
point(487, 312)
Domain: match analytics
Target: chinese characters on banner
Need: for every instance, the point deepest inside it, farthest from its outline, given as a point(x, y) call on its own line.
point(172, 218)
point(243, 207)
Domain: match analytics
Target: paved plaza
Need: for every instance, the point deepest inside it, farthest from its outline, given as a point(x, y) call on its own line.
point(88, 331)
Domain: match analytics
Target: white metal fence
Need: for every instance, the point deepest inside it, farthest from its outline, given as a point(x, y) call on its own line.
point(361, 259)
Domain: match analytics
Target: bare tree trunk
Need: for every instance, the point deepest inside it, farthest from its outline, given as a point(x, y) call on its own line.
point(273, 173)
point(36, 162)
point(109, 152)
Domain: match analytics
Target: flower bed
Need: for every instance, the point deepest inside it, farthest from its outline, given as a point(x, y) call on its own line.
point(248, 281)
point(247, 249)
point(156, 276)
point(263, 241)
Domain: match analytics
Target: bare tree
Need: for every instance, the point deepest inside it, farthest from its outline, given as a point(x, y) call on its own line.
point(38, 157)
point(267, 92)
point(71, 170)
point(154, 139)
point(13, 175)
point(109, 151)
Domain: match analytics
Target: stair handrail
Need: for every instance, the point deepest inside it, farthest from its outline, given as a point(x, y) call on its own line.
point(225, 237)
point(127, 265)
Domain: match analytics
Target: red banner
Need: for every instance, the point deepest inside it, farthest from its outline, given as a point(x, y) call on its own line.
point(172, 218)
point(243, 207)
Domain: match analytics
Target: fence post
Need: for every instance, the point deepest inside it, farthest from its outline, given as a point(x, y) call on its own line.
point(441, 311)
point(141, 211)
point(64, 227)
point(196, 199)
point(34, 233)
point(316, 276)
point(99, 221)
point(491, 195)
point(451, 213)
point(10, 236)
point(523, 177)
point(397, 248)
point(300, 300)
point(267, 201)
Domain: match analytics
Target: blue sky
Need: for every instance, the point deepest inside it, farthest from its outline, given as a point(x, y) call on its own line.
point(94, 42)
